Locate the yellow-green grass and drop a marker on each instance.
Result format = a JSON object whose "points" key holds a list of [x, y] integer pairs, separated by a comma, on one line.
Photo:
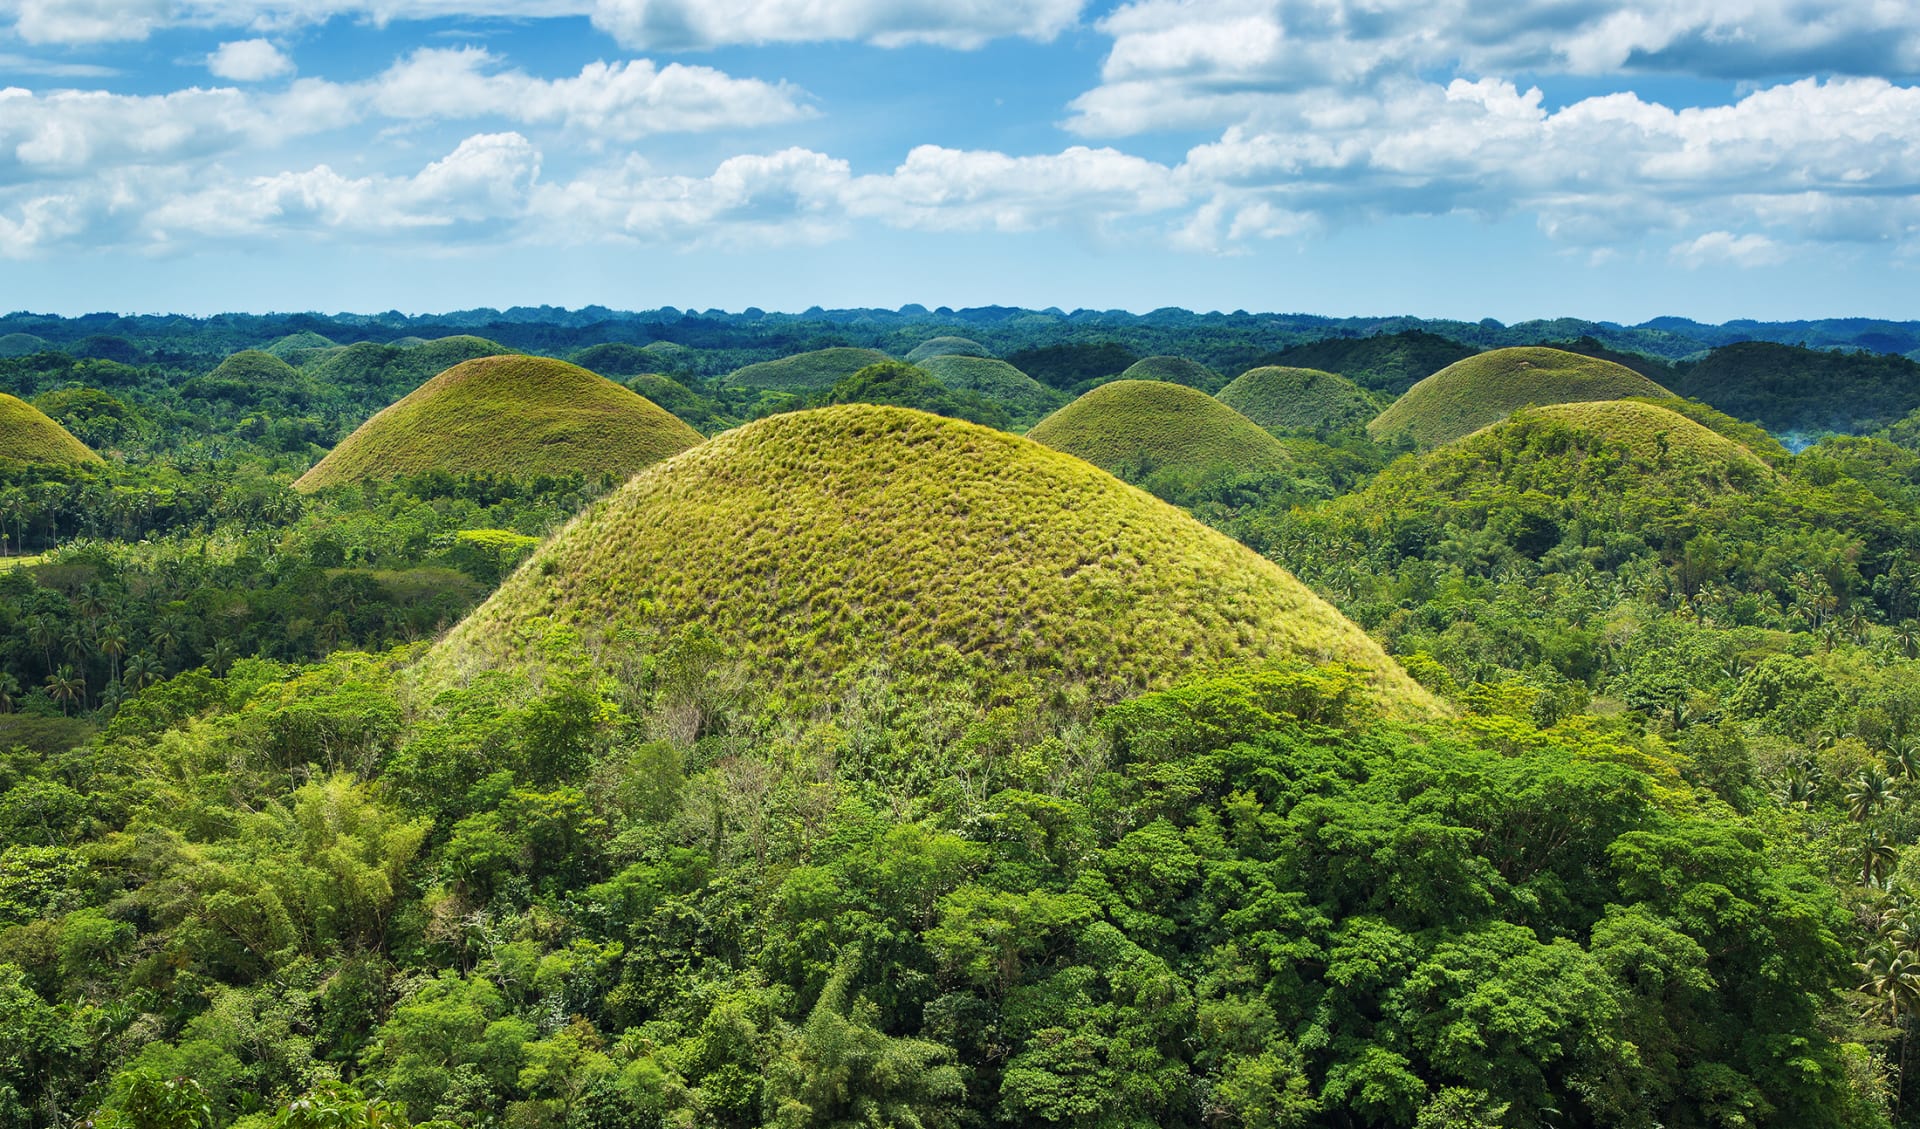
{"points": [[1485, 388], [1135, 427], [29, 437], [1749, 435], [1025, 398], [946, 347], [822, 368], [296, 345], [257, 368], [22, 345], [7, 563], [860, 542], [1654, 436], [1298, 399], [1174, 370], [513, 415]]}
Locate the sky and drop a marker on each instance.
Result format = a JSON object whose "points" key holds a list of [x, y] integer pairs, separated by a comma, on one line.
{"points": [[1511, 159]]}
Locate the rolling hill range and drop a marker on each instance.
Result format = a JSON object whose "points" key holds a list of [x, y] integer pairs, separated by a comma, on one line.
{"points": [[804, 372], [29, 437], [829, 545], [1139, 426], [1298, 399], [1483, 389], [511, 415]]}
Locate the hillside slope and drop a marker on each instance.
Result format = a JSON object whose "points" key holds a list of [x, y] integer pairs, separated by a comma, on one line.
{"points": [[1298, 399], [28, 436], [1483, 389], [1140, 426]]}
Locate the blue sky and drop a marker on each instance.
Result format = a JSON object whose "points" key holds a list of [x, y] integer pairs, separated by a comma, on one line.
{"points": [[1457, 158]]}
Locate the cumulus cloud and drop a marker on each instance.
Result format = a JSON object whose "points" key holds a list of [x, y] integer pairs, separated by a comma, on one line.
{"points": [[1189, 63], [1717, 248], [939, 189], [249, 60], [651, 24]]}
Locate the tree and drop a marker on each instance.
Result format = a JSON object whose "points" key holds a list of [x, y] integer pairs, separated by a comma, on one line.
{"points": [[66, 687]]}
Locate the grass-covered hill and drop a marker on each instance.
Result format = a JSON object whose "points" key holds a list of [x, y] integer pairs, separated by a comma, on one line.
{"points": [[697, 410], [1386, 362], [391, 368], [1026, 399], [249, 377], [22, 345], [901, 385], [296, 346], [826, 547], [1789, 389], [1657, 440], [804, 372], [513, 416], [29, 437], [1136, 427], [1175, 370], [1482, 389], [947, 347], [1298, 399], [617, 359]]}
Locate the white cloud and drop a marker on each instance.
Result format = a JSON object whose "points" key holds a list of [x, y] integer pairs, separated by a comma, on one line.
{"points": [[938, 189], [84, 21], [792, 196], [249, 60], [652, 24], [1718, 248]]}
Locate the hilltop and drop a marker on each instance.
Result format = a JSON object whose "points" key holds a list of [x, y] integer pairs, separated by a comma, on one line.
{"points": [[296, 346], [511, 415], [22, 345], [29, 436], [946, 347], [1482, 389], [1140, 426], [1174, 370], [1298, 399], [1386, 362], [1025, 398], [827, 546], [390, 368], [804, 372]]}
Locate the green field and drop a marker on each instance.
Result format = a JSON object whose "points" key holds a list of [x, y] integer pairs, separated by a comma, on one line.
{"points": [[1135, 427], [1485, 388], [836, 545], [514, 416]]}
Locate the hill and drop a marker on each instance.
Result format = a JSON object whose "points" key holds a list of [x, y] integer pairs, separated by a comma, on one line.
{"points": [[617, 359], [1657, 438], [1386, 362], [901, 385], [22, 345], [1298, 399], [804, 372], [946, 347], [1482, 389], [695, 409], [250, 377], [827, 546], [1174, 370], [28, 436], [1788, 389], [1135, 427], [390, 368], [1026, 399], [295, 346], [514, 415]]}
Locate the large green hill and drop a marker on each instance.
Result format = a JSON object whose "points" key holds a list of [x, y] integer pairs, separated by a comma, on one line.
{"points": [[1025, 398], [29, 436], [22, 345], [1174, 370], [512, 415], [861, 542], [805, 372], [946, 347], [1135, 427], [1298, 399], [1482, 389]]}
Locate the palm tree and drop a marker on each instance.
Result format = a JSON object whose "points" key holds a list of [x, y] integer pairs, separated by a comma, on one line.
{"points": [[113, 644], [142, 672], [66, 687], [1877, 859], [1903, 758], [1867, 793], [43, 632]]}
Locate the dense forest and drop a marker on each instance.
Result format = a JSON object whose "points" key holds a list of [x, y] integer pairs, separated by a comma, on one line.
{"points": [[876, 767]]}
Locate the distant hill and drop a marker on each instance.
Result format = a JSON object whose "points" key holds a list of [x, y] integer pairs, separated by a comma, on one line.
{"points": [[617, 359], [510, 415], [869, 545], [1025, 398], [391, 369], [22, 345], [902, 385], [1298, 399], [804, 372], [29, 437], [294, 346], [947, 347], [1135, 427], [1388, 362], [1175, 370], [697, 410], [1068, 366], [1789, 389], [251, 377], [1483, 389]]}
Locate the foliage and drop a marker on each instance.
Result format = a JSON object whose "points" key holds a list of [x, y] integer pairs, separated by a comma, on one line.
{"points": [[1791, 389], [1381, 362]]}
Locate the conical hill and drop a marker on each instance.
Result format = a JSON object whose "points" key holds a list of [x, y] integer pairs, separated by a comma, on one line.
{"points": [[30, 437], [511, 415], [860, 544], [1482, 389], [1140, 426], [1298, 399]]}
